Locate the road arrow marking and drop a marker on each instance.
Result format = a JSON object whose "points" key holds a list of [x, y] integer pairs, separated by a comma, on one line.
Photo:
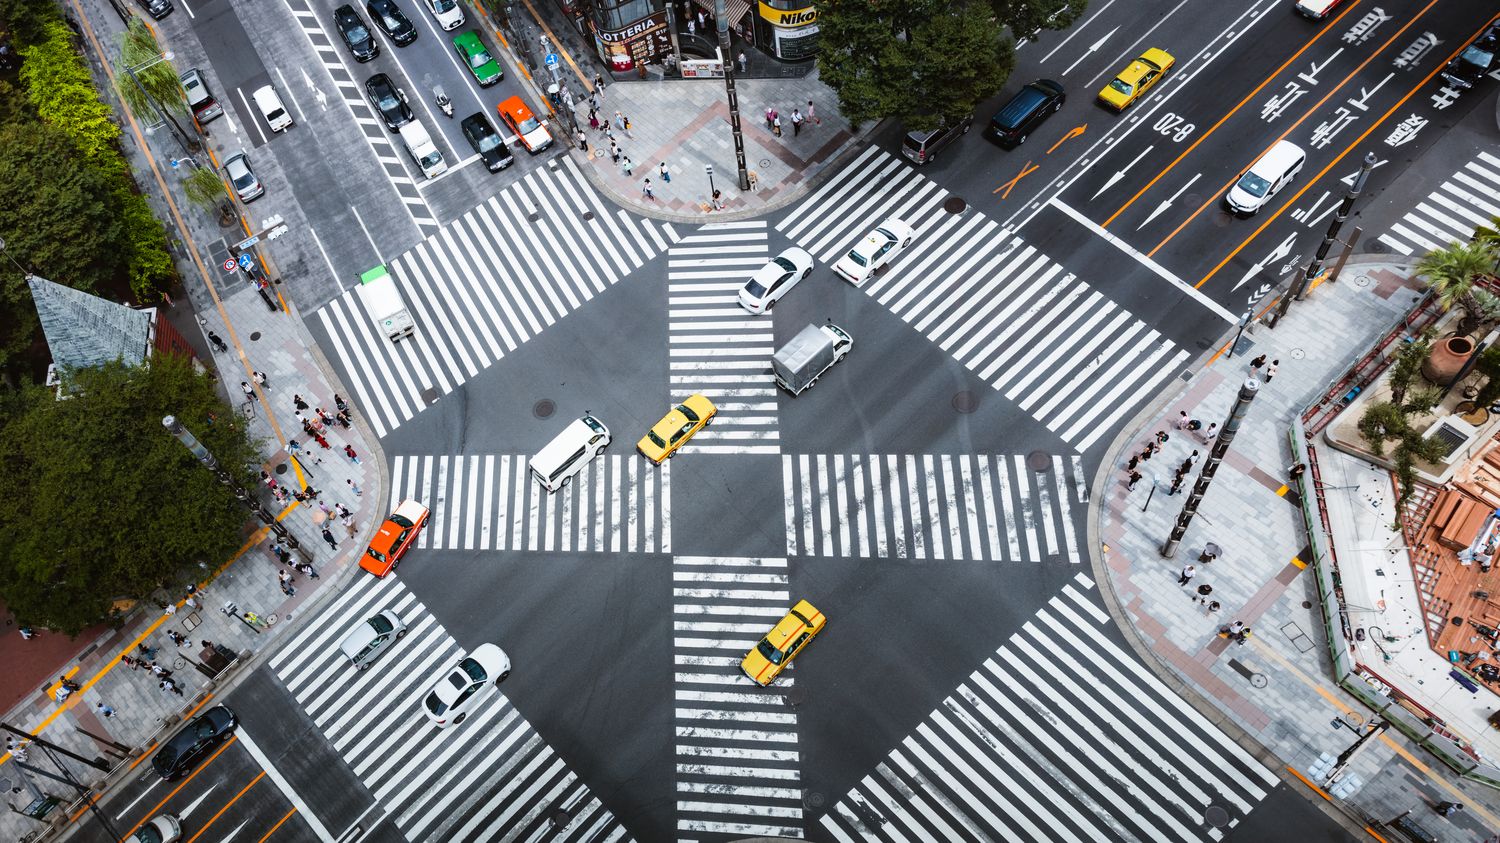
{"points": [[1168, 203], [318, 95], [1120, 174], [1072, 133], [1260, 293], [1093, 48], [1277, 254]]}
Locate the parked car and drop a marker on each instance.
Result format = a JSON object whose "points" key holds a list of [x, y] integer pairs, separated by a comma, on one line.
{"points": [[180, 753], [389, 101], [394, 538], [486, 141], [357, 36], [874, 251], [392, 21], [448, 14], [157, 9], [246, 185], [462, 687], [775, 279], [200, 99]]}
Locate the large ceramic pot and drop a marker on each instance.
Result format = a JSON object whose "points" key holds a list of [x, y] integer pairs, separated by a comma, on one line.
{"points": [[1447, 359]]}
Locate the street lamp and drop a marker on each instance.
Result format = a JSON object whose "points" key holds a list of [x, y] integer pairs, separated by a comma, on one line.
{"points": [[178, 133], [13, 260]]}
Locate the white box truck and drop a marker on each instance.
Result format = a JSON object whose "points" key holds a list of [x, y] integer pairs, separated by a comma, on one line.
{"points": [[800, 363], [422, 150], [377, 289]]}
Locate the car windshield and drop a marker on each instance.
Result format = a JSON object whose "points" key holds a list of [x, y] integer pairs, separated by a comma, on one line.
{"points": [[529, 125], [432, 160], [770, 653], [1254, 185], [1122, 86], [436, 705], [687, 411], [857, 258], [784, 263], [480, 59], [656, 440], [148, 834], [376, 555], [488, 142], [166, 757], [391, 21], [754, 289], [474, 669], [443, 5], [388, 102], [358, 33], [1478, 56], [381, 625]]}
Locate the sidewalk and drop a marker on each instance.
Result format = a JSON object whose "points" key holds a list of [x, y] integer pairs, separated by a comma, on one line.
{"points": [[1275, 694], [278, 345]]}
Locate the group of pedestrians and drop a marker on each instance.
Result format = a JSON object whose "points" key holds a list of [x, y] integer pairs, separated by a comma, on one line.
{"points": [[798, 119]]}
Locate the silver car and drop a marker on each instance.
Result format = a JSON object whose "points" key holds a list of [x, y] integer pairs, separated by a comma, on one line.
{"points": [[369, 641], [246, 185]]}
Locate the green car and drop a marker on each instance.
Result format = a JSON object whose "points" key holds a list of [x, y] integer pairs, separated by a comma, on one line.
{"points": [[483, 65]]}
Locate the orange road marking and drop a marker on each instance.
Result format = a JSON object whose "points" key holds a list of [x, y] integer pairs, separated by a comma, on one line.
{"points": [[1072, 133], [1306, 114], [1026, 170], [201, 767], [1201, 138], [232, 800], [279, 824]]}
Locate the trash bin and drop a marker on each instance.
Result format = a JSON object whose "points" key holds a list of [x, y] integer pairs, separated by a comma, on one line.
{"points": [[214, 661]]}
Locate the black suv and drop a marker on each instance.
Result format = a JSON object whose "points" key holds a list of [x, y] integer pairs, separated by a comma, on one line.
{"points": [[396, 25], [184, 750], [1026, 110], [156, 8], [1476, 60], [486, 141], [356, 35], [389, 101]]}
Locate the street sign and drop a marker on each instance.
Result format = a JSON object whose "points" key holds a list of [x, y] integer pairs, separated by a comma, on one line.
{"points": [[246, 262], [708, 168], [246, 243], [229, 264], [552, 59]]}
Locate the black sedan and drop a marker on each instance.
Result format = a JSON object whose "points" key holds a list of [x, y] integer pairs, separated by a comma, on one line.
{"points": [[389, 17], [357, 37], [156, 8], [389, 100], [486, 141], [193, 743], [1477, 59]]}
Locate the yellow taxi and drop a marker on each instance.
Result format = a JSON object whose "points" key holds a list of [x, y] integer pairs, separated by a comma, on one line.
{"points": [[676, 428], [1136, 79], [782, 644]]}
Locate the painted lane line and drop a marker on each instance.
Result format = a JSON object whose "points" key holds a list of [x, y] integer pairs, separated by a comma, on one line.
{"points": [[1168, 202], [284, 786], [1092, 15]]}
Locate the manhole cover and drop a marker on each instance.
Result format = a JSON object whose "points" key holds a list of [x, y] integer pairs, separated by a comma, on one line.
{"points": [[763, 163], [255, 336], [812, 799], [1259, 680], [965, 402], [1375, 246], [588, 216], [1361, 280], [1039, 461], [1297, 354], [544, 408], [795, 696], [561, 818], [955, 205], [280, 468], [1215, 817]]}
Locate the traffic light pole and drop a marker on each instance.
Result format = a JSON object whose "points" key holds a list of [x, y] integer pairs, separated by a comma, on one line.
{"points": [[1248, 391], [721, 23]]}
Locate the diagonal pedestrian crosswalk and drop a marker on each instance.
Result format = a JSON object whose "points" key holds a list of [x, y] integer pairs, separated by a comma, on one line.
{"points": [[1468, 199], [738, 763], [1064, 353], [616, 504], [489, 778], [717, 347], [1061, 736], [943, 506], [483, 285]]}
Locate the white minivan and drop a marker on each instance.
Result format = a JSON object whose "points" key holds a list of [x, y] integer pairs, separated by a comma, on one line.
{"points": [[1265, 178], [569, 452], [271, 108]]}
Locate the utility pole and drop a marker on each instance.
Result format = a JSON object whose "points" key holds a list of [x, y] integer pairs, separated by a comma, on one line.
{"points": [[721, 23], [52, 750], [1298, 290], [1231, 426], [191, 442]]}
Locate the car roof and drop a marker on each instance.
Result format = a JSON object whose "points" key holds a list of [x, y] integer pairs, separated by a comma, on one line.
{"points": [[467, 39], [1026, 100], [515, 107]]}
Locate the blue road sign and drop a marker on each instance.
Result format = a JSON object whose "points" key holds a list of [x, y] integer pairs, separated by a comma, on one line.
{"points": [[552, 59], [246, 262]]}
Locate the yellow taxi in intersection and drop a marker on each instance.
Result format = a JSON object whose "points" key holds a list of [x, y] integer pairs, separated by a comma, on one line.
{"points": [[782, 644], [1136, 79], [676, 428]]}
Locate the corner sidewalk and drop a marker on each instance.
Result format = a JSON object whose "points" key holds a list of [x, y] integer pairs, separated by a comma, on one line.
{"points": [[1275, 695], [278, 344]]}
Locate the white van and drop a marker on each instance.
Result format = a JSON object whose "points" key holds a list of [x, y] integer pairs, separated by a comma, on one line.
{"points": [[1265, 178], [569, 452], [422, 150], [271, 108]]}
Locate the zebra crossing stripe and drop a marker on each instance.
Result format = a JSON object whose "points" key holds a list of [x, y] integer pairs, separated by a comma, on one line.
{"points": [[1462, 203]]}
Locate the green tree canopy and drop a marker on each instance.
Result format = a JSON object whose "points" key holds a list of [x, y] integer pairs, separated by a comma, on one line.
{"points": [[102, 502], [1454, 271], [920, 61]]}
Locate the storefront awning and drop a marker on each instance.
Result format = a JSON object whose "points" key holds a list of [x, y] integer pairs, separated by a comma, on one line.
{"points": [[735, 9]]}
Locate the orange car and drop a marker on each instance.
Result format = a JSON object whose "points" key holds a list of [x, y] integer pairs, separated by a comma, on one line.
{"points": [[394, 537], [532, 132]]}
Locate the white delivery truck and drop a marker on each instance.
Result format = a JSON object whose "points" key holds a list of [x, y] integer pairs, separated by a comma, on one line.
{"points": [[800, 363], [422, 150], [378, 291]]}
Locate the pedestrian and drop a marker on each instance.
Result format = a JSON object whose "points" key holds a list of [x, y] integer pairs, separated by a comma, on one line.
{"points": [[593, 120], [318, 438], [1205, 557], [328, 537], [338, 401], [1134, 478], [1147, 451], [297, 399], [661, 170], [1135, 460], [280, 495], [646, 189], [614, 152], [718, 201], [148, 652], [812, 114], [178, 639], [326, 511], [217, 341], [310, 491], [1447, 809], [1194, 425], [627, 127], [583, 141], [324, 416], [776, 126], [1182, 419], [260, 378], [206, 644], [770, 115], [27, 633], [1203, 592], [343, 510], [1188, 572], [343, 418], [1192, 460], [1271, 370], [1232, 629], [744, 62], [17, 749], [349, 526], [598, 82], [349, 452], [1176, 485], [796, 122], [1212, 607], [249, 390], [308, 570], [619, 121], [170, 609], [702, 20], [104, 710], [167, 686], [692, 27], [1211, 432], [1256, 364], [627, 165], [288, 590], [293, 446], [318, 425], [753, 179], [254, 620], [130, 663], [284, 576]]}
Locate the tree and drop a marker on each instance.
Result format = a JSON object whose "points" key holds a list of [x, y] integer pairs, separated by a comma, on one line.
{"points": [[1026, 18], [1488, 365], [102, 503], [204, 188], [1407, 366], [1453, 272], [921, 61]]}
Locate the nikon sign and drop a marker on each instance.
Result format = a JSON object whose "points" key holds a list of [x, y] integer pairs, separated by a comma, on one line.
{"points": [[789, 17]]}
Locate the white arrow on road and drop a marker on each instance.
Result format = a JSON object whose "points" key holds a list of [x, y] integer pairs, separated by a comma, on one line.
{"points": [[321, 97], [1277, 254], [1120, 174], [1093, 48], [1168, 203]]}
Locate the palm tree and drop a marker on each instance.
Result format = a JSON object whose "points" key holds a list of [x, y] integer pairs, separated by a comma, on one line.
{"points": [[1453, 272]]}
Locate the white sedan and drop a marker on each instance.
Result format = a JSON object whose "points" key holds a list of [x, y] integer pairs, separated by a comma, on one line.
{"points": [[873, 252], [775, 279], [462, 687], [448, 13]]}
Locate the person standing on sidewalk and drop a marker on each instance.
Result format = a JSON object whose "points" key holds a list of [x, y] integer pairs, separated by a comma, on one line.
{"points": [[328, 537], [583, 141], [812, 114], [1271, 370], [218, 342], [249, 390], [1256, 364], [614, 152], [1448, 809], [776, 125], [627, 165], [796, 122], [349, 452], [1188, 572], [260, 378], [1135, 477], [770, 115], [646, 189], [358, 492], [661, 170], [744, 62], [297, 400], [104, 710]]}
